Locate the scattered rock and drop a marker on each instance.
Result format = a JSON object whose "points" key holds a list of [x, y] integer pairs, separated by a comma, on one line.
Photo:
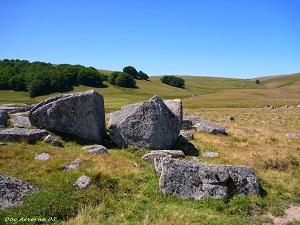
{"points": [[264, 122], [151, 125], [205, 126], [4, 117], [195, 120], [80, 114], [202, 180], [284, 107], [194, 95], [186, 124], [72, 165], [20, 121], [83, 182], [96, 149], [187, 135], [269, 107], [292, 135], [2, 144], [22, 134], [42, 156], [53, 141], [163, 153], [210, 154], [278, 118], [14, 108], [12, 191], [187, 147], [230, 119]]}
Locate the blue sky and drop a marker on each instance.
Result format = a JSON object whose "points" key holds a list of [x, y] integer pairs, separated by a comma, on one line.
{"points": [[224, 38]]}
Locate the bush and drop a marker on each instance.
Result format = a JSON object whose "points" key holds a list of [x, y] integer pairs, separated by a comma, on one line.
{"points": [[112, 77], [173, 81], [143, 75], [257, 82], [125, 80], [131, 71], [90, 77]]}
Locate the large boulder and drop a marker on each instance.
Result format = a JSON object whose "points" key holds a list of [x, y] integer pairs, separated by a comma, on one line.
{"points": [[188, 179], [22, 134], [12, 191], [4, 117], [20, 121], [151, 125], [81, 114]]}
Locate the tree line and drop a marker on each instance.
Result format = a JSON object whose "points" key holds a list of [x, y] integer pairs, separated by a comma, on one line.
{"points": [[38, 78]]}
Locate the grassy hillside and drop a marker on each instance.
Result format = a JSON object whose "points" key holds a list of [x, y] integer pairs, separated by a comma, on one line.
{"points": [[124, 187]]}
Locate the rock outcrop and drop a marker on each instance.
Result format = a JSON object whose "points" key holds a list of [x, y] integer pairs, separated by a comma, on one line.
{"points": [[81, 114], [188, 179], [151, 125], [4, 117], [12, 191], [22, 134]]}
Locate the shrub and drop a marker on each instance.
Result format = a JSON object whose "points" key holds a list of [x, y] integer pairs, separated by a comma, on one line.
{"points": [[90, 77], [112, 77], [143, 75], [131, 71], [125, 80], [173, 81], [257, 82]]}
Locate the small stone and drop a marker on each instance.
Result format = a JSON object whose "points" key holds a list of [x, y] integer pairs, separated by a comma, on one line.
{"points": [[210, 155], [292, 135], [52, 140], [83, 182], [42, 156], [96, 149], [72, 165]]}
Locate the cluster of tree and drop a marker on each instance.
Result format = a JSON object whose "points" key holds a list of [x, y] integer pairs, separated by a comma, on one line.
{"points": [[173, 81], [40, 78], [126, 78]]}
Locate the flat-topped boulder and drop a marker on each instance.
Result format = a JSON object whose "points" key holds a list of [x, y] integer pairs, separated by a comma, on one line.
{"points": [[151, 125], [195, 180], [12, 191], [22, 134], [80, 114], [20, 121]]}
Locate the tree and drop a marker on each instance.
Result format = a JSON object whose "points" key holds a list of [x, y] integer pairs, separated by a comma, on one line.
{"points": [[17, 83], [125, 80], [143, 75], [257, 82], [90, 77], [173, 81], [112, 77], [131, 71]]}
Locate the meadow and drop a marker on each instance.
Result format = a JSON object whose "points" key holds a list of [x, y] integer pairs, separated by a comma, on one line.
{"points": [[124, 187]]}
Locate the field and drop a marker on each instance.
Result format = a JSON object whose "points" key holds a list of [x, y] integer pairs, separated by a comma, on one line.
{"points": [[124, 188]]}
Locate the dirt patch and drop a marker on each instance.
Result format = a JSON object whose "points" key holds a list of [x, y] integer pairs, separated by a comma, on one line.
{"points": [[292, 214]]}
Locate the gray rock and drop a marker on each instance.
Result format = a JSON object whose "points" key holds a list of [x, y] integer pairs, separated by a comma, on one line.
{"points": [[186, 124], [42, 156], [163, 153], [72, 165], [22, 134], [4, 117], [194, 120], [2, 144], [83, 182], [230, 119], [269, 107], [210, 154], [187, 135], [12, 191], [151, 125], [176, 107], [53, 141], [96, 149], [14, 108], [117, 116], [205, 126], [292, 135], [188, 179], [20, 121], [80, 114]]}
